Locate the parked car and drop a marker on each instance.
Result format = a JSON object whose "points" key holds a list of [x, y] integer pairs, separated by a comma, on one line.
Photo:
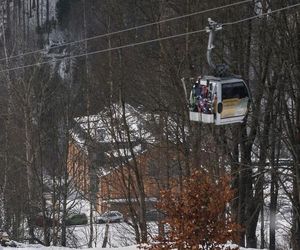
{"points": [[154, 215], [5, 241], [77, 219], [110, 217]]}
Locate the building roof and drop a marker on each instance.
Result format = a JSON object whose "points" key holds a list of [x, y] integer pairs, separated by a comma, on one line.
{"points": [[106, 134], [109, 126]]}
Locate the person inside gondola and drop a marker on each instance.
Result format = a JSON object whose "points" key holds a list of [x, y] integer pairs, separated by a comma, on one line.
{"points": [[195, 97], [204, 92], [203, 102]]}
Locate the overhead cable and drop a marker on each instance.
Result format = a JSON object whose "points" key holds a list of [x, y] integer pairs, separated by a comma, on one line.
{"points": [[147, 41], [127, 30]]}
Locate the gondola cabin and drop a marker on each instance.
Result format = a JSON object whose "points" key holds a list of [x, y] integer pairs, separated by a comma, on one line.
{"points": [[219, 101]]}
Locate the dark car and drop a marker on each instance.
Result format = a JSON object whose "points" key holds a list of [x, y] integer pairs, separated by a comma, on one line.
{"points": [[5, 241], [154, 215], [110, 217], [77, 219]]}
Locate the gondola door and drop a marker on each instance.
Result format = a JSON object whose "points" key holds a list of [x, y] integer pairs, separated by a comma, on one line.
{"points": [[232, 101]]}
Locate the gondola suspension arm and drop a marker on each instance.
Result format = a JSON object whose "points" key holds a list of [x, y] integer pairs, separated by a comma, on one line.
{"points": [[211, 29]]}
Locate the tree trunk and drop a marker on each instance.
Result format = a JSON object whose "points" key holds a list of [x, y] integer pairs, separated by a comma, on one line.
{"points": [[262, 225], [296, 218], [273, 210], [105, 238], [7, 125], [29, 171], [274, 158], [65, 196]]}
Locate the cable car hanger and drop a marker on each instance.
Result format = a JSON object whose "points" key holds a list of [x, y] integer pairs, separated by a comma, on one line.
{"points": [[221, 98], [211, 29]]}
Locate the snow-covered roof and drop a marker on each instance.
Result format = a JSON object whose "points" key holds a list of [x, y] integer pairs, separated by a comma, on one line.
{"points": [[149, 199], [110, 126], [124, 152]]}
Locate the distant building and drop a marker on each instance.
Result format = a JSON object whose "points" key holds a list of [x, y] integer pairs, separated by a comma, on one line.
{"points": [[102, 149], [78, 165]]}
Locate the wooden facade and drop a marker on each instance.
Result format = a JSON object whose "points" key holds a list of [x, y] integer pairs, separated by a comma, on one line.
{"points": [[117, 188], [77, 165]]}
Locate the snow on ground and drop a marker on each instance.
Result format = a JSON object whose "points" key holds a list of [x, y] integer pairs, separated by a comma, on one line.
{"points": [[65, 248], [120, 237]]}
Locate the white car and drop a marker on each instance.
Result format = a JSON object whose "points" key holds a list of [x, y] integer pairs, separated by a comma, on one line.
{"points": [[110, 217]]}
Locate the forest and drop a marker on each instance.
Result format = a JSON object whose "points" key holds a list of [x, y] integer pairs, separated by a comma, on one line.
{"points": [[106, 76]]}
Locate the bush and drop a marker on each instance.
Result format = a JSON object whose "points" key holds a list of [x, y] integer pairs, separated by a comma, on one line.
{"points": [[197, 216]]}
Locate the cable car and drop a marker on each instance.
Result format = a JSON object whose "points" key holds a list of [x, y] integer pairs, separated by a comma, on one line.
{"points": [[220, 99]]}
